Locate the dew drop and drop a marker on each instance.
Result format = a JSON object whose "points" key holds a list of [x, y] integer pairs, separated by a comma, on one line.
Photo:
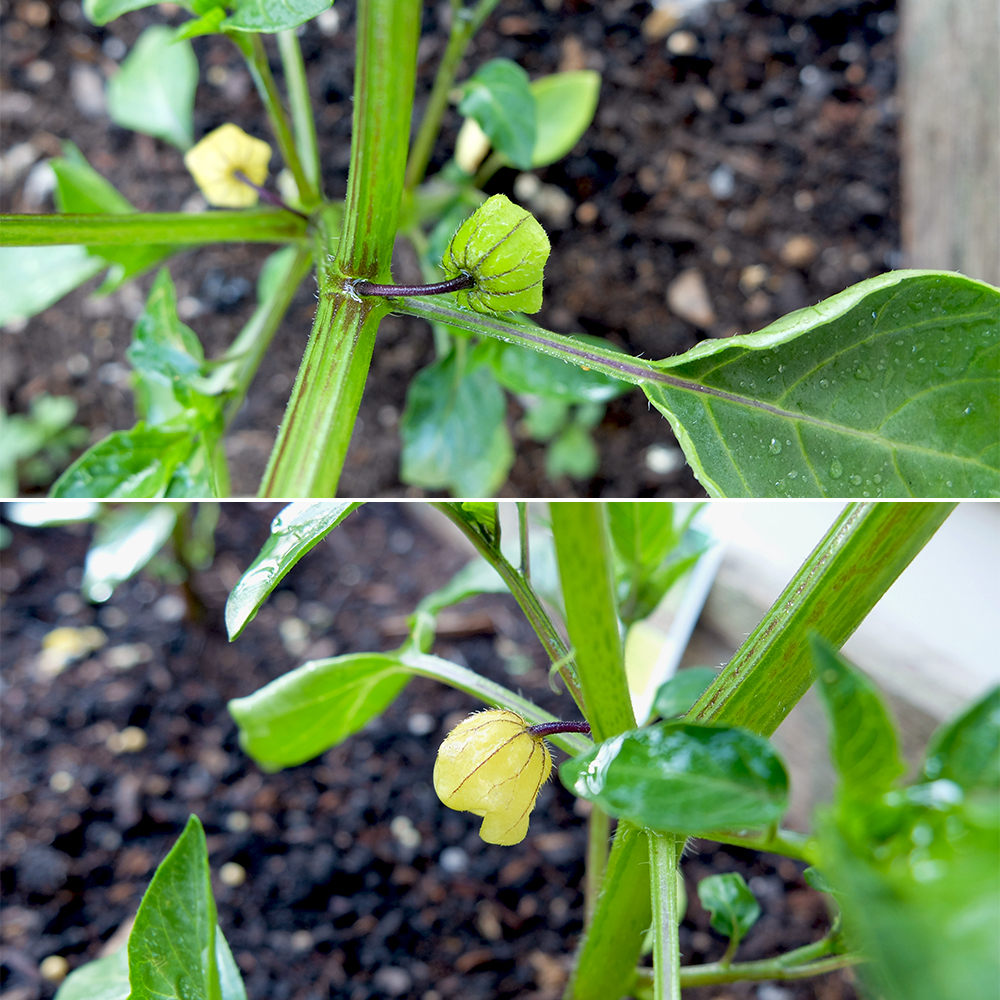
{"points": [[877, 478], [774, 447], [949, 484], [863, 372], [836, 469], [856, 480], [781, 368], [824, 384], [968, 409], [792, 474]]}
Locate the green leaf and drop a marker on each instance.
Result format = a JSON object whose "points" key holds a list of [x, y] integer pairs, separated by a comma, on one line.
{"points": [[504, 249], [230, 980], [154, 91], [483, 514], [643, 533], [564, 106], [35, 277], [134, 464], [475, 577], [126, 539], [100, 12], [82, 190], [104, 979], [172, 949], [817, 880], [521, 370], [676, 696], [273, 15], [208, 24], [573, 453], [544, 418], [683, 778], [453, 430], [198, 476], [499, 98], [316, 706], [733, 907], [967, 749], [863, 741], [885, 390], [298, 528], [166, 356]]}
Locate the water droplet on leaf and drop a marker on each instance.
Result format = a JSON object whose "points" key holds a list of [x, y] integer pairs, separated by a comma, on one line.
{"points": [[836, 469], [774, 447]]}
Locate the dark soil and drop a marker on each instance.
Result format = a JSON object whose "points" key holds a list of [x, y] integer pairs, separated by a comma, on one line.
{"points": [[337, 902], [780, 123]]}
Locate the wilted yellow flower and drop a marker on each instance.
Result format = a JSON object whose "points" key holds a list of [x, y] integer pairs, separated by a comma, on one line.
{"points": [[214, 161], [492, 766]]}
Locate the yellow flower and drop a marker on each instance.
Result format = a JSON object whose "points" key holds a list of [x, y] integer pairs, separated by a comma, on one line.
{"points": [[492, 766], [215, 159]]}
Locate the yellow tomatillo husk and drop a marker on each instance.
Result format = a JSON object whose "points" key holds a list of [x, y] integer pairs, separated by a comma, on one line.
{"points": [[214, 161], [490, 765]]}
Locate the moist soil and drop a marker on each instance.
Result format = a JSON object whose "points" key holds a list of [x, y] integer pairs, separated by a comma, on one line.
{"points": [[762, 156], [359, 883]]}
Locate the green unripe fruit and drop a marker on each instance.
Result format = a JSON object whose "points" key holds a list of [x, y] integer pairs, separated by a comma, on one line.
{"points": [[504, 249]]}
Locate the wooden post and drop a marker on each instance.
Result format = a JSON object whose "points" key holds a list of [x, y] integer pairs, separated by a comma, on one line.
{"points": [[950, 85]]}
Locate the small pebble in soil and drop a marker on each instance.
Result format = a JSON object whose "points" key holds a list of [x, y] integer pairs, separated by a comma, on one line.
{"points": [[768, 991], [232, 874], [237, 822], [420, 724], [61, 781], [170, 608], [661, 459], [130, 740], [405, 832], [688, 297], [454, 860], [54, 968]]}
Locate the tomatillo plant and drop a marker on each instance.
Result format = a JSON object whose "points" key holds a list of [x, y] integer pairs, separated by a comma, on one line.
{"points": [[888, 388], [912, 866]]}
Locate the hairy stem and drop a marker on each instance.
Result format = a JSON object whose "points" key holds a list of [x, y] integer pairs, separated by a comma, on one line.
{"points": [[664, 852], [464, 24], [302, 117], [260, 71]]}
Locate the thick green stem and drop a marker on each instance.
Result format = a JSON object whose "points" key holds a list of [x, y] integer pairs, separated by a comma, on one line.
{"points": [[522, 592], [464, 24], [255, 225], [316, 429], [772, 968], [583, 551], [303, 123], [260, 71], [664, 852], [610, 946], [598, 833], [857, 561]]}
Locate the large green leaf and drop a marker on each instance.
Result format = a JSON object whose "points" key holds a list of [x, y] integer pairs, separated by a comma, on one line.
{"points": [[154, 90], [565, 104], [888, 389], [134, 464], [917, 870], [499, 98], [82, 190], [35, 277], [172, 948], [676, 696], [320, 703], [306, 711], [453, 430], [125, 541], [273, 15], [683, 778], [863, 742], [294, 532]]}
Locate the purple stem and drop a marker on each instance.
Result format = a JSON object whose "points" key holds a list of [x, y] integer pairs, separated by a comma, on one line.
{"points": [[551, 728], [438, 288], [269, 196]]}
